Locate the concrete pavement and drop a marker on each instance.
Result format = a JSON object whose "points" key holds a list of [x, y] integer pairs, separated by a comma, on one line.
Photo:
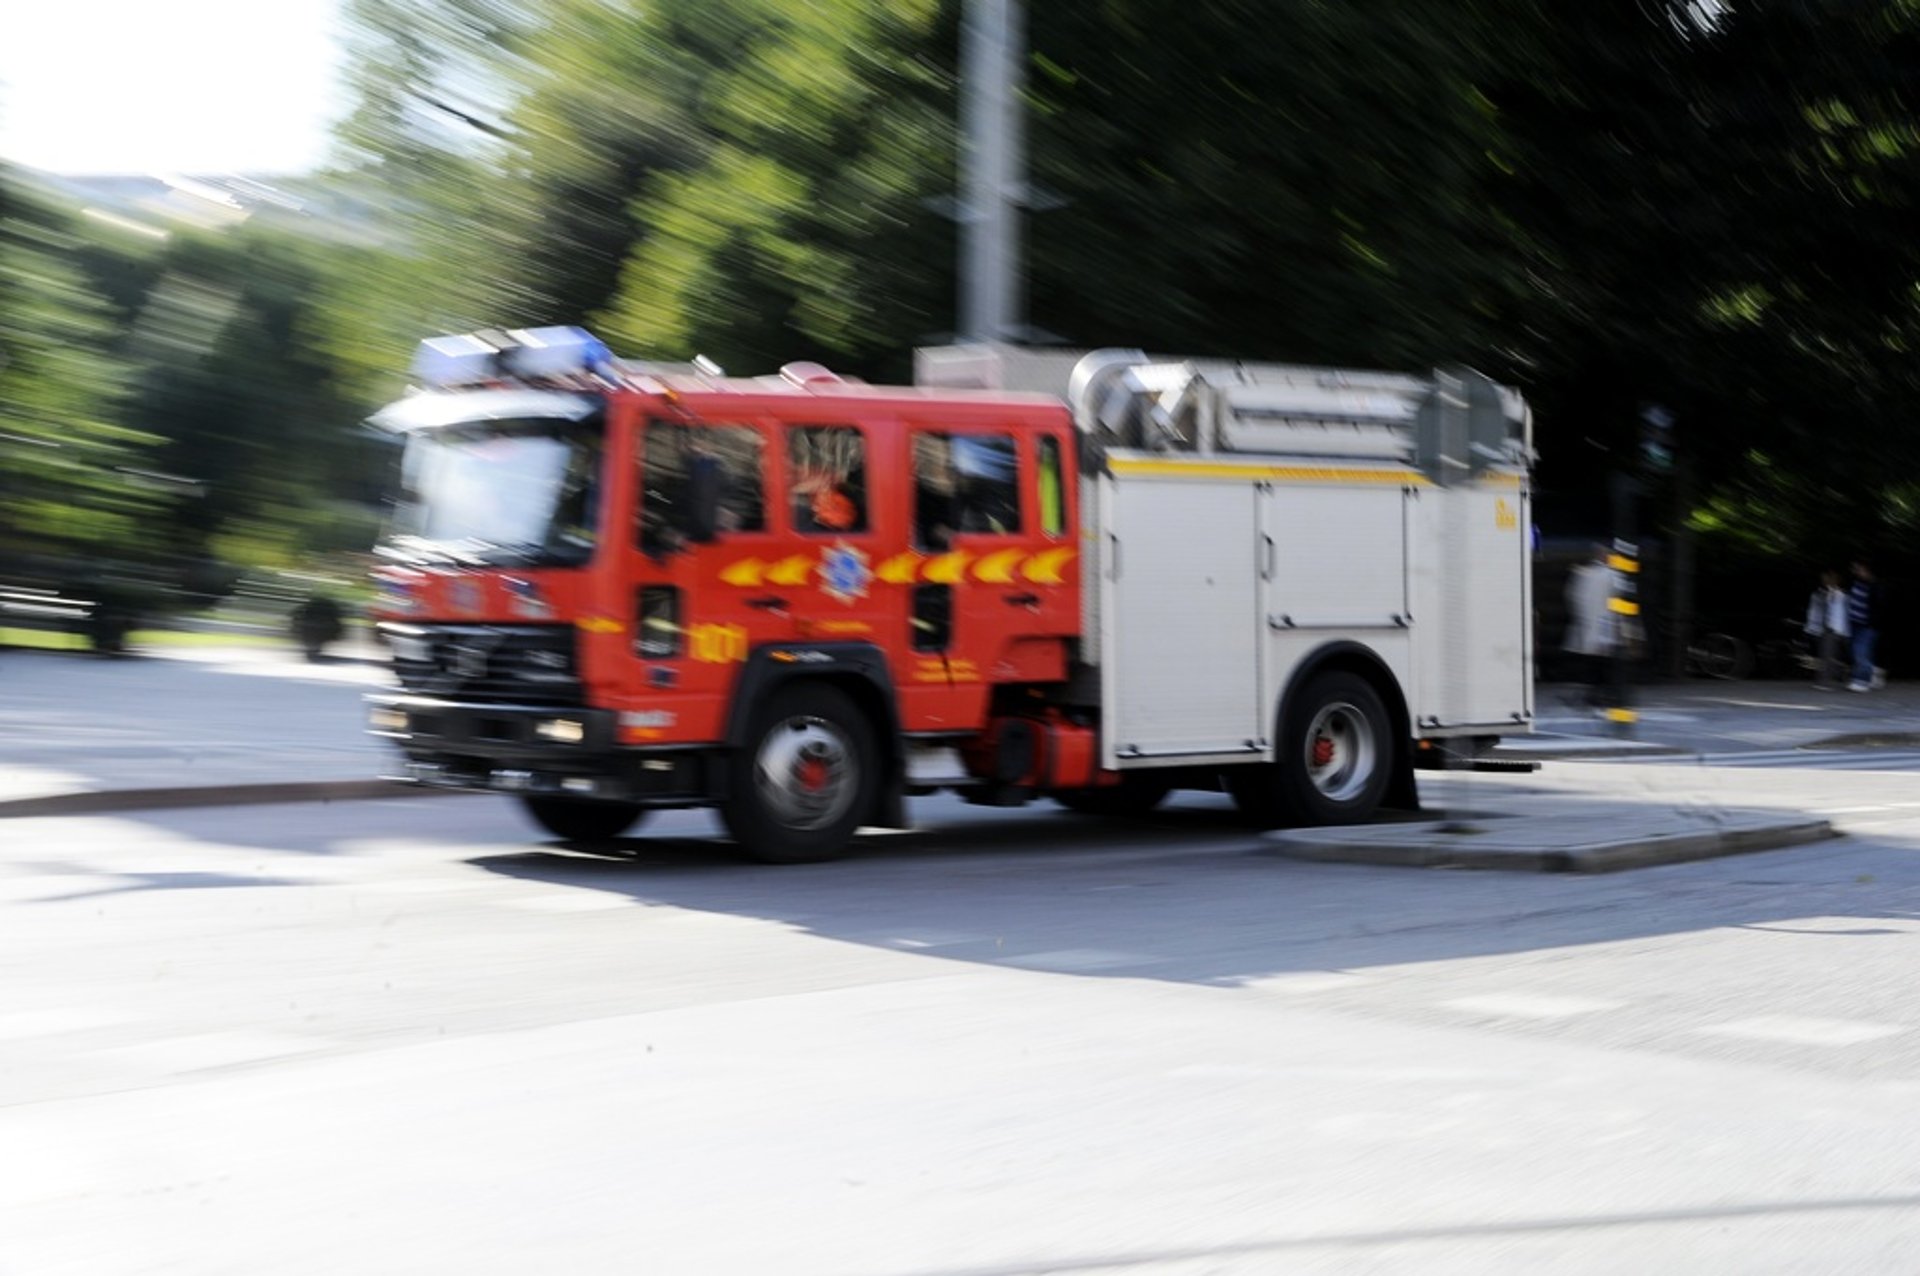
{"points": [[416, 1038], [1705, 718], [179, 725], [220, 725]]}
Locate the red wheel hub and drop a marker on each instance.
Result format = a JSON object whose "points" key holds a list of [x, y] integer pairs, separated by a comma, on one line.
{"points": [[1322, 751], [813, 774]]}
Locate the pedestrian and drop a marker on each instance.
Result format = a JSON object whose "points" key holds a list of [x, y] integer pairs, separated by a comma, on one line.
{"points": [[1590, 626], [1828, 626], [1863, 620]]}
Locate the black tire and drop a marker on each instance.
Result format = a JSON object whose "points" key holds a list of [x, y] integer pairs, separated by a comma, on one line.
{"points": [[1136, 794], [807, 778], [1724, 657], [583, 819], [1334, 761]]}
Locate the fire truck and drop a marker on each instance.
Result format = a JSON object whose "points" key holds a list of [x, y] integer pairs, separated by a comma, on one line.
{"points": [[611, 587]]}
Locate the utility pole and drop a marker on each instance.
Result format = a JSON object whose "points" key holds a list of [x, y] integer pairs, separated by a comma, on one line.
{"points": [[991, 42]]}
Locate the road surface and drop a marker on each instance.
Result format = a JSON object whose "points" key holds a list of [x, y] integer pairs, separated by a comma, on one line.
{"points": [[414, 1036]]}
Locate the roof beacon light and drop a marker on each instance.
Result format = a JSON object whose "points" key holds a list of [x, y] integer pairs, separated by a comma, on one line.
{"points": [[523, 354]]}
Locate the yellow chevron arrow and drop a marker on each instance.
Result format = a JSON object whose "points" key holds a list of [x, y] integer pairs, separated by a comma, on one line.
{"points": [[791, 571], [747, 573], [948, 568], [1044, 568], [997, 568], [900, 569]]}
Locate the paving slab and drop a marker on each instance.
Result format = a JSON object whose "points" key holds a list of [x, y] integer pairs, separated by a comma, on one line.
{"points": [[1602, 840]]}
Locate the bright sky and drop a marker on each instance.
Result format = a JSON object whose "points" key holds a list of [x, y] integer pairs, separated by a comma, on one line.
{"points": [[168, 86]]}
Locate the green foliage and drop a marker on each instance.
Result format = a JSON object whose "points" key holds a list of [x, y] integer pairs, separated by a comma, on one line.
{"points": [[1708, 207], [71, 470]]}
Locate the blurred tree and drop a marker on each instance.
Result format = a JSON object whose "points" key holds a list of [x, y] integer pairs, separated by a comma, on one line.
{"points": [[1718, 201], [235, 381], [809, 227], [1276, 179], [74, 480], [1702, 205]]}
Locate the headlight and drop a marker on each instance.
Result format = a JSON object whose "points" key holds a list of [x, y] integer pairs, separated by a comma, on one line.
{"points": [[561, 730], [385, 719]]}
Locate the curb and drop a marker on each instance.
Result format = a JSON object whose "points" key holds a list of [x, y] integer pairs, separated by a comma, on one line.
{"points": [[1574, 752], [112, 801], [1866, 740], [1432, 848]]}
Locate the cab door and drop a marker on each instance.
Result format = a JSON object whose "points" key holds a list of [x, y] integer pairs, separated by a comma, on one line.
{"points": [[706, 545], [972, 533]]}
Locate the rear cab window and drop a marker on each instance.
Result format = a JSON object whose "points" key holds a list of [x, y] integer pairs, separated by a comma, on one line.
{"points": [[827, 480]]}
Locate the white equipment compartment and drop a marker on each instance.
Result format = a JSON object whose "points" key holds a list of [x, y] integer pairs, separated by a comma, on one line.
{"points": [[1246, 519], [1181, 621]]}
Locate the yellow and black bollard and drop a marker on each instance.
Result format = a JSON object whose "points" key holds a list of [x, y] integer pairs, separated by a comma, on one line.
{"points": [[1624, 606]]}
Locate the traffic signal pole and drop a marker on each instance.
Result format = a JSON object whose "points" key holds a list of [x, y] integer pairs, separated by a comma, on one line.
{"points": [[992, 45]]}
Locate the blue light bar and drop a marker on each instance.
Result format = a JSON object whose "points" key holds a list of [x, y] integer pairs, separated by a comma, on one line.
{"points": [[523, 354]]}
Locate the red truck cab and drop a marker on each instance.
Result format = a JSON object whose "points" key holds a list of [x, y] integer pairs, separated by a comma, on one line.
{"points": [[608, 590]]}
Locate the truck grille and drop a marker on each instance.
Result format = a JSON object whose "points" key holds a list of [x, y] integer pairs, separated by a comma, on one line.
{"points": [[504, 664]]}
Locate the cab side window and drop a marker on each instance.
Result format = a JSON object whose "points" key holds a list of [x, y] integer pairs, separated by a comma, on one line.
{"points": [[964, 483], [700, 482], [827, 479], [1053, 501]]}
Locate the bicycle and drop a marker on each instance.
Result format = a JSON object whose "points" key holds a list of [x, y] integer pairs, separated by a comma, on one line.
{"points": [[1719, 656], [1790, 655]]}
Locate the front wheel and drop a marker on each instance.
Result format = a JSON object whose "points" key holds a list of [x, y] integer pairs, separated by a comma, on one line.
{"points": [[806, 780], [583, 819], [1336, 757]]}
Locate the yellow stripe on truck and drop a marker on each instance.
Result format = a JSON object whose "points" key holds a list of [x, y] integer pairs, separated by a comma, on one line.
{"points": [[1230, 470]]}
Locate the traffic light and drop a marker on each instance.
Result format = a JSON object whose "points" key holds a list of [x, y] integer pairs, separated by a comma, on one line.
{"points": [[1656, 439]]}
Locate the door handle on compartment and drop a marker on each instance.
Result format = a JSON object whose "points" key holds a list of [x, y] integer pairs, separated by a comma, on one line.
{"points": [[768, 603]]}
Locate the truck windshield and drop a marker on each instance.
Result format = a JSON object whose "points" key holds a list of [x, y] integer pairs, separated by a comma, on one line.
{"points": [[522, 492]]}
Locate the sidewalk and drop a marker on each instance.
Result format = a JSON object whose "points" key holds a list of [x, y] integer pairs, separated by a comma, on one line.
{"points": [[1724, 717], [219, 725], [184, 724]]}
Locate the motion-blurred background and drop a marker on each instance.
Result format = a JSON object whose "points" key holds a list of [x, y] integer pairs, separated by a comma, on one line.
{"points": [[223, 226]]}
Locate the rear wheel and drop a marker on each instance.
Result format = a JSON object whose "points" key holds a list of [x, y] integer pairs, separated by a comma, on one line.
{"points": [[1136, 794], [806, 780], [583, 819], [1335, 760]]}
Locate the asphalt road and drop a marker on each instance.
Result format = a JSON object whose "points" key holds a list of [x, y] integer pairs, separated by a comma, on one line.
{"points": [[412, 1036]]}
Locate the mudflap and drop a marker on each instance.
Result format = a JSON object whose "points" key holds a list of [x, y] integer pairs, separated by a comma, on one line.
{"points": [[1402, 793], [890, 812]]}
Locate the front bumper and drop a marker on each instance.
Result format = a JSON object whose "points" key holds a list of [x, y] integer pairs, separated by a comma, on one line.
{"points": [[542, 750]]}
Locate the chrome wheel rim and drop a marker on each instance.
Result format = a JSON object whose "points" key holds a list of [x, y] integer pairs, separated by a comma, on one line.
{"points": [[806, 773], [1341, 752]]}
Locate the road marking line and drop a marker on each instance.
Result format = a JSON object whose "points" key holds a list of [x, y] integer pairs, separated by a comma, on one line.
{"points": [[1804, 1030], [933, 939], [582, 902], [1530, 1005], [1072, 959], [1305, 983], [422, 886], [23, 1024], [209, 1050]]}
